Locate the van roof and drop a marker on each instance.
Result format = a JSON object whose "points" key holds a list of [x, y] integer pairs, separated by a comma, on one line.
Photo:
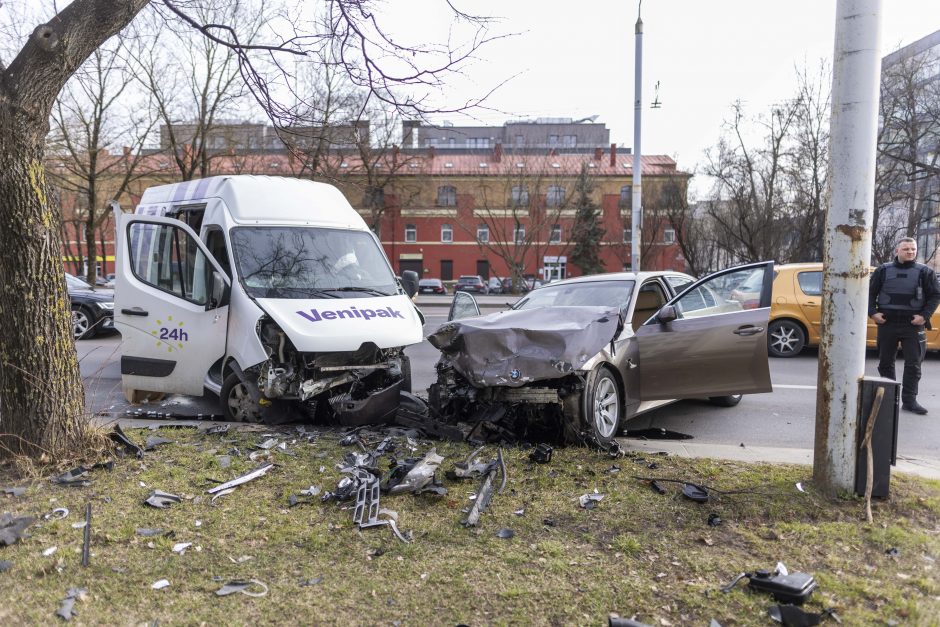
{"points": [[268, 199]]}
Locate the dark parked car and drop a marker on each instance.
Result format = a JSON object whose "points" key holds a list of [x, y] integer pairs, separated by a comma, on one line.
{"points": [[431, 286], [92, 310], [472, 283]]}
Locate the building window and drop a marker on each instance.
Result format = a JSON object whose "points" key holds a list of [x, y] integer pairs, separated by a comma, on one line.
{"points": [[411, 233], [483, 233], [555, 237], [520, 196], [520, 140], [374, 197], [446, 196], [626, 196], [451, 142], [627, 236], [555, 197], [478, 142], [569, 141], [447, 233], [518, 234], [553, 140], [669, 236]]}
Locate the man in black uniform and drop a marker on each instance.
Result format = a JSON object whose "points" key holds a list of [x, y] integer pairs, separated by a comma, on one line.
{"points": [[902, 296]]}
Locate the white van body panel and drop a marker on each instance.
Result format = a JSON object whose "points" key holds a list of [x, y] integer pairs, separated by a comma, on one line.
{"points": [[334, 325]]}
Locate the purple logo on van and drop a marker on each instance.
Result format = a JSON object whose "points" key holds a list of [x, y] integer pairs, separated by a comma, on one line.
{"points": [[315, 315]]}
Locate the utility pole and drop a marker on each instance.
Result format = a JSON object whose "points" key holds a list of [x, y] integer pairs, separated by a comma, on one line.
{"points": [[847, 245], [636, 215]]}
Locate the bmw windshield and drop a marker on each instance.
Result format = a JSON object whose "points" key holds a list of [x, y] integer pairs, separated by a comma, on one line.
{"points": [[581, 294], [309, 262]]}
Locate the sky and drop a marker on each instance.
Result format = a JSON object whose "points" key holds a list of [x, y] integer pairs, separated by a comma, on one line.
{"points": [[576, 59]]}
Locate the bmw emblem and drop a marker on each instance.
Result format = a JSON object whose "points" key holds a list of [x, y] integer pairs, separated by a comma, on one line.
{"points": [[514, 374]]}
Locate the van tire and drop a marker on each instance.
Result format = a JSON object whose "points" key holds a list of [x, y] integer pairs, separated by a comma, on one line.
{"points": [[237, 405]]}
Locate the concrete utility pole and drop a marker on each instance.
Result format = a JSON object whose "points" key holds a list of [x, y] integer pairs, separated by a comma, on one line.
{"points": [[856, 74], [636, 216]]}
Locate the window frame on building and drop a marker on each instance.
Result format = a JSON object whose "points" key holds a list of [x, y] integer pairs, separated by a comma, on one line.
{"points": [[627, 235], [552, 196], [411, 233], [518, 234], [447, 233], [446, 196], [483, 233], [519, 196], [669, 235], [554, 236]]}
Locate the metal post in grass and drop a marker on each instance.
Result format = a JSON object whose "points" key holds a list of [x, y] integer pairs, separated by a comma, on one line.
{"points": [[847, 244]]}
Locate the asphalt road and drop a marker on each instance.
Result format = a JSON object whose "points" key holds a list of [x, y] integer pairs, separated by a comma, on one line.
{"points": [[783, 418]]}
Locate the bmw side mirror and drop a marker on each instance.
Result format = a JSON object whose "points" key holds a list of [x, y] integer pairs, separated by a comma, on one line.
{"points": [[409, 281], [666, 314]]}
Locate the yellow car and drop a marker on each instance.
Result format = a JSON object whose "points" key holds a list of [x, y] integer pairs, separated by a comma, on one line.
{"points": [[796, 310]]}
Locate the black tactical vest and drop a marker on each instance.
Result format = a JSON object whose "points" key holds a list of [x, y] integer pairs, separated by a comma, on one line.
{"points": [[901, 290]]}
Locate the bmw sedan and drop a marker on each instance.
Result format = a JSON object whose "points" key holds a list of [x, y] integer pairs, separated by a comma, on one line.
{"points": [[578, 358]]}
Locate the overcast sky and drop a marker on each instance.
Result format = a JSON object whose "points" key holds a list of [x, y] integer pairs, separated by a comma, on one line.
{"points": [[576, 59]]}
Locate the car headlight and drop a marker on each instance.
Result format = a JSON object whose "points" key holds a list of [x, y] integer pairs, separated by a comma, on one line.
{"points": [[106, 305]]}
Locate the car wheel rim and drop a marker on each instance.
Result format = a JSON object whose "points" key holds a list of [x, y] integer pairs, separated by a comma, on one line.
{"points": [[241, 406], [784, 339], [606, 408], [79, 323]]}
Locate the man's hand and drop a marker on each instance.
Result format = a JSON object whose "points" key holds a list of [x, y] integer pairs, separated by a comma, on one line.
{"points": [[917, 320], [879, 318]]}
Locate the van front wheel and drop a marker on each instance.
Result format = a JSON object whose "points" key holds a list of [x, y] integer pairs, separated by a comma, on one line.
{"points": [[237, 404]]}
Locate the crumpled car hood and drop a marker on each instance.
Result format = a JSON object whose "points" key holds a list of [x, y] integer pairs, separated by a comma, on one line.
{"points": [[512, 348]]}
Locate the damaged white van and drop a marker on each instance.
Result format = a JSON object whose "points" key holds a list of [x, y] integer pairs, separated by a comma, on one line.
{"points": [[270, 292]]}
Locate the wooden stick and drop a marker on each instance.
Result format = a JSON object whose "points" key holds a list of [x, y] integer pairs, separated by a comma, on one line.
{"points": [[866, 443]]}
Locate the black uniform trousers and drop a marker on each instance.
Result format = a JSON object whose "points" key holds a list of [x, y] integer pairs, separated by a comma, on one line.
{"points": [[913, 343]]}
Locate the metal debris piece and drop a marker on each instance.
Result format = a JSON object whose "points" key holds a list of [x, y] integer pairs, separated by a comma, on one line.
{"points": [[520, 512], [311, 491], [485, 492], [180, 547], [420, 475], [154, 441], [148, 532], [505, 534], [242, 587], [590, 501], [50, 551], [121, 438], [310, 582], [161, 500], [268, 444], [77, 477], [245, 478], [217, 429], [86, 536], [57, 514], [160, 584], [12, 528], [714, 520], [219, 495], [799, 486], [66, 610], [13, 491]]}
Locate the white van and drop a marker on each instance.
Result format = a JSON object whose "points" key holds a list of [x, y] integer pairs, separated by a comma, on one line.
{"points": [[270, 292]]}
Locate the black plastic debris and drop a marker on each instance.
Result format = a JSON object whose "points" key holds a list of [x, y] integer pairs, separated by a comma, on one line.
{"points": [[121, 438], [793, 616], [12, 528], [66, 610], [77, 477], [243, 587], [654, 433], [614, 469], [590, 501], [542, 454], [653, 466], [505, 534], [786, 587], [86, 536], [695, 492], [155, 441], [892, 552], [714, 520], [549, 522], [657, 487], [5, 565], [161, 500], [13, 491]]}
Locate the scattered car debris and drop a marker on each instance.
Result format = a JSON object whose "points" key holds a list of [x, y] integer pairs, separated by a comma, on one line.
{"points": [[242, 587], [12, 528], [86, 536], [657, 487], [150, 532], [695, 492], [50, 551], [245, 478], [892, 552], [5, 565], [180, 547], [57, 514], [311, 582], [714, 520], [657, 433], [160, 584], [366, 512], [520, 512], [542, 454], [77, 477], [614, 620], [155, 441], [66, 610], [160, 500], [121, 438], [414, 476], [786, 587], [590, 501], [217, 429], [485, 492], [793, 616], [269, 444], [13, 491], [505, 534], [799, 486], [614, 469], [220, 494]]}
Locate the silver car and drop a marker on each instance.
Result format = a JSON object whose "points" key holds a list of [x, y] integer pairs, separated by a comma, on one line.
{"points": [[592, 352]]}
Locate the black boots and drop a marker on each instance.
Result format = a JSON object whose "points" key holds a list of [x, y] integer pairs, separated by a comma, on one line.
{"points": [[914, 407]]}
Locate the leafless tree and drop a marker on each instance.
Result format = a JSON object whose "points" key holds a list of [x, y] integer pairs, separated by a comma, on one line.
{"points": [[41, 393]]}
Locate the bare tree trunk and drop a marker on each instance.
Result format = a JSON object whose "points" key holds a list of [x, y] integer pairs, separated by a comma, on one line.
{"points": [[42, 395]]}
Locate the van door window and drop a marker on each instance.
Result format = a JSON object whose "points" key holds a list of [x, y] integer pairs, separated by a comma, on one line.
{"points": [[168, 258], [215, 242]]}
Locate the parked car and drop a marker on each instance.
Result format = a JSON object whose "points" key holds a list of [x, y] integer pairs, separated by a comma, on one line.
{"points": [[621, 344], [507, 286], [472, 283], [796, 312], [92, 310], [495, 285], [431, 286]]}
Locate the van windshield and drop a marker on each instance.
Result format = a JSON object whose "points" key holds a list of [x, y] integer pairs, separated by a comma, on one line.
{"points": [[309, 262]]}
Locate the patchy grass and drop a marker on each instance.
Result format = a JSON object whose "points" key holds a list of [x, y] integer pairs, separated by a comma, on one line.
{"points": [[637, 553]]}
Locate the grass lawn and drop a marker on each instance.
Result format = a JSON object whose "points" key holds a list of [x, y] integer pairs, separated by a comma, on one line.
{"points": [[637, 553]]}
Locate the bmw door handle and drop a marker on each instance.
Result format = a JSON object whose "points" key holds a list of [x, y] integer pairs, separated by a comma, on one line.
{"points": [[136, 311], [748, 330]]}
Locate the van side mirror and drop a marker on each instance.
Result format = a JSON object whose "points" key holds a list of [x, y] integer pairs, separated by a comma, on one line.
{"points": [[667, 314], [409, 280], [219, 293]]}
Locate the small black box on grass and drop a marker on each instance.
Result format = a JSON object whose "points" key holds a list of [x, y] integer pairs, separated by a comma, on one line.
{"points": [[884, 437]]}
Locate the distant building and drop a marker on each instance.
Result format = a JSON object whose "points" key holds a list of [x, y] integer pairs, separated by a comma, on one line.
{"points": [[562, 135]]}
